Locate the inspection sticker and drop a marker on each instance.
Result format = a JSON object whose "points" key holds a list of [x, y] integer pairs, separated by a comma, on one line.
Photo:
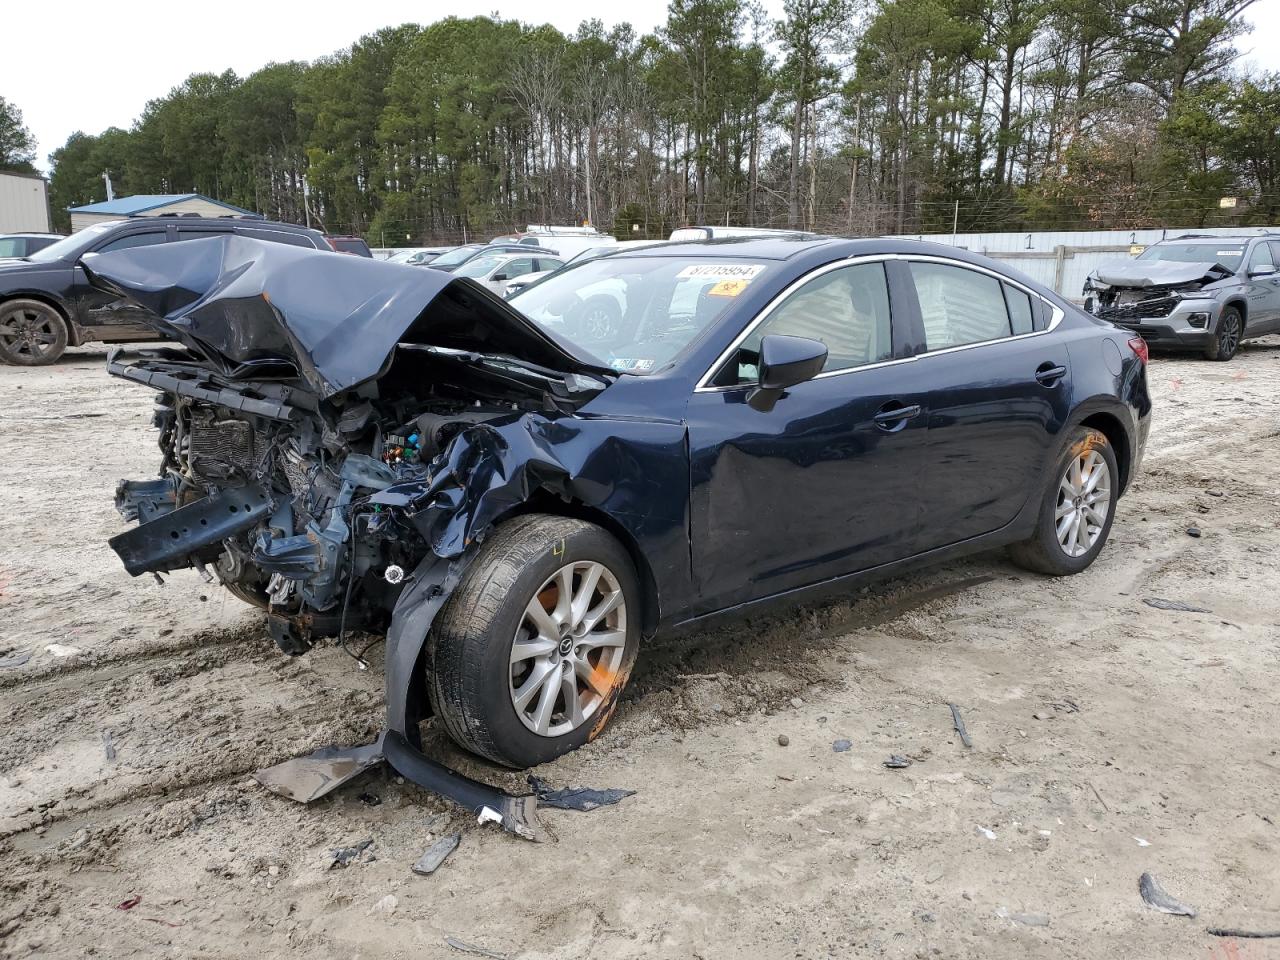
{"points": [[723, 271], [728, 288]]}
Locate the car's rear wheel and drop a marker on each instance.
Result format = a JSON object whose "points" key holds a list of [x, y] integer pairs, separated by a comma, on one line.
{"points": [[1077, 508], [32, 333], [529, 656], [1226, 339]]}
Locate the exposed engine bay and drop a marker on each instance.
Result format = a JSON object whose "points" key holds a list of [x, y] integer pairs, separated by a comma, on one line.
{"points": [[1147, 290], [277, 502]]}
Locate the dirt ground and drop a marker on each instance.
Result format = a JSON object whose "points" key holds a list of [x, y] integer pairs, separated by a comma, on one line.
{"points": [[1109, 738]]}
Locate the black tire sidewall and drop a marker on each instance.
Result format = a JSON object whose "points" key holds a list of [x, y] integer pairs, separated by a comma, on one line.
{"points": [[60, 325], [1079, 440], [1215, 351], [487, 649]]}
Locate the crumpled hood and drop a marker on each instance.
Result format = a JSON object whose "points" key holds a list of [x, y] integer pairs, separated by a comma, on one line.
{"points": [[1158, 273], [336, 319]]}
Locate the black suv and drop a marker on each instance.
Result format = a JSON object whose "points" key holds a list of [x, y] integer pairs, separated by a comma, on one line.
{"points": [[47, 304]]}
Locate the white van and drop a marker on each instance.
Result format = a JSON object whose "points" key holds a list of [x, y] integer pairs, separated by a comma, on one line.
{"points": [[715, 233]]}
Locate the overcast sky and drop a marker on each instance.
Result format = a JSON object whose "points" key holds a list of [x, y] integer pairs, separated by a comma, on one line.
{"points": [[121, 54]]}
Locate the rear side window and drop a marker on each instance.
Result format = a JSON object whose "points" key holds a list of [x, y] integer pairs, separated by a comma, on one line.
{"points": [[133, 240], [279, 236], [1019, 303], [185, 234], [847, 309], [959, 306]]}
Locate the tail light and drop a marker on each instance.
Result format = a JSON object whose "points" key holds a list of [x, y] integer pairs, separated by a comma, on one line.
{"points": [[1139, 346]]}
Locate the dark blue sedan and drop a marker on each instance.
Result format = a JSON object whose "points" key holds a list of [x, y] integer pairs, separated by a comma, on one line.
{"points": [[517, 493]]}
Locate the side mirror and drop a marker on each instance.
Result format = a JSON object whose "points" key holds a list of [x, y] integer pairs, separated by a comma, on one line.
{"points": [[1263, 270], [784, 362], [499, 276]]}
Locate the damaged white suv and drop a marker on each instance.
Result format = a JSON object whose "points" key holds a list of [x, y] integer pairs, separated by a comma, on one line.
{"points": [[1196, 292]]}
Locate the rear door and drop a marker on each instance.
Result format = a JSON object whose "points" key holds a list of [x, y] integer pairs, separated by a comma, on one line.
{"points": [[826, 482], [998, 391]]}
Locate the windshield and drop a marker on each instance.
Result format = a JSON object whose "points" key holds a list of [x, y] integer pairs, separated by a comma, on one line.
{"points": [[479, 267], [637, 313], [1227, 254], [455, 257], [69, 248]]}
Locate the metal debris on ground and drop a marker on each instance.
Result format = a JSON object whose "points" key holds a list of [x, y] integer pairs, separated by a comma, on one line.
{"points": [[840, 746], [1161, 604], [897, 762], [575, 798], [369, 799], [958, 722], [1243, 934], [473, 949], [1156, 897], [357, 853], [436, 854], [15, 659], [308, 778], [108, 747]]}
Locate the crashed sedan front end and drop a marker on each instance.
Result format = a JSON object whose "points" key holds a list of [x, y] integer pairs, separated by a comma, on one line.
{"points": [[335, 435]]}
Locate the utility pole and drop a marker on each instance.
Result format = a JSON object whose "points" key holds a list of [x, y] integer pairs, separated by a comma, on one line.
{"points": [[106, 178], [955, 222]]}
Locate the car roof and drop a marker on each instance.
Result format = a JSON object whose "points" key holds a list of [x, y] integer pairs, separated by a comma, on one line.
{"points": [[1212, 238], [773, 247], [56, 236]]}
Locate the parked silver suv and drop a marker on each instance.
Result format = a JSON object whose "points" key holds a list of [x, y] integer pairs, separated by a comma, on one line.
{"points": [[1197, 292]]}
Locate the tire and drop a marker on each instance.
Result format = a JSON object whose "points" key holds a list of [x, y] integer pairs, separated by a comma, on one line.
{"points": [[1226, 338], [1044, 551], [474, 684], [32, 334]]}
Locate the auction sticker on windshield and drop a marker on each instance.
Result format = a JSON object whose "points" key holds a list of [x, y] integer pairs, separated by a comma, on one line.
{"points": [[722, 271]]}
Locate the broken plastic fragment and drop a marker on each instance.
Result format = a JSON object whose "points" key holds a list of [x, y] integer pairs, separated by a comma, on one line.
{"points": [[989, 834], [308, 778], [1156, 897], [575, 798], [488, 815], [436, 854]]}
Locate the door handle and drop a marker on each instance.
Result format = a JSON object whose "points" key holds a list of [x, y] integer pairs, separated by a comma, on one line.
{"points": [[1049, 373], [893, 416]]}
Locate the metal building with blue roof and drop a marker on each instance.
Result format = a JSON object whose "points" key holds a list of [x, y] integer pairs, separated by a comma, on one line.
{"points": [[154, 205]]}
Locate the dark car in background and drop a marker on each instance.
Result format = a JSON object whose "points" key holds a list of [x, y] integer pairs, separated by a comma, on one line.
{"points": [[15, 245], [48, 304], [1195, 292], [516, 508], [352, 245]]}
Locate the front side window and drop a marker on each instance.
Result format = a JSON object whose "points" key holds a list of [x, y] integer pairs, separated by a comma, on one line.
{"points": [[1260, 257], [959, 306], [514, 268], [847, 309], [133, 240], [478, 268]]}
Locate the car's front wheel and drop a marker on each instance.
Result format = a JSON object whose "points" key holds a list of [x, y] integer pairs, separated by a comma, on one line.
{"points": [[32, 333], [1226, 339], [529, 656], [1077, 508]]}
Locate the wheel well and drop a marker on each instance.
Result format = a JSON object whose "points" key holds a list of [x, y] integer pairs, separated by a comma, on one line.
{"points": [[1111, 428], [1243, 307], [543, 501], [72, 339]]}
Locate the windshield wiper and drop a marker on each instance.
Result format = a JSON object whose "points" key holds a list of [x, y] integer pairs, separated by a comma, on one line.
{"points": [[523, 370]]}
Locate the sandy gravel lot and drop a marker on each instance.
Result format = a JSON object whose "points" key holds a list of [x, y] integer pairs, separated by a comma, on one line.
{"points": [[1109, 738]]}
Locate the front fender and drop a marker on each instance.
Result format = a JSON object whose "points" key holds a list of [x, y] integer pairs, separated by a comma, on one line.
{"points": [[429, 589]]}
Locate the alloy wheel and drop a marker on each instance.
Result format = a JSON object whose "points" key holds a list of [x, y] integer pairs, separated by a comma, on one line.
{"points": [[27, 332], [1229, 335], [568, 648], [597, 324], [1084, 503]]}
